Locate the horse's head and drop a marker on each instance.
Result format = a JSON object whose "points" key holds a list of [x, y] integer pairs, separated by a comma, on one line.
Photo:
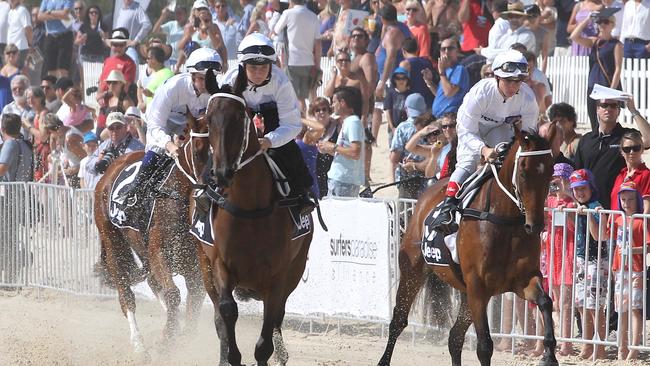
{"points": [[194, 154], [231, 131], [532, 166]]}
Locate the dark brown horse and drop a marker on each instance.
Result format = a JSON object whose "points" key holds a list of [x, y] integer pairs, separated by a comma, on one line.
{"points": [[168, 248], [253, 251], [498, 254]]}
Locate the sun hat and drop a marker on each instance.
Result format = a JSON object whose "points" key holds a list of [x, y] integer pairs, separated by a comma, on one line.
{"points": [[115, 117], [563, 170], [200, 4], [116, 75], [514, 8], [90, 137], [415, 105], [581, 177], [119, 35], [630, 186], [133, 111]]}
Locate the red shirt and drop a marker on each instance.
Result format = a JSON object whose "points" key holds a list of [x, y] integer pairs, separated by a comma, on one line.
{"points": [[421, 35], [475, 31], [637, 242], [122, 63], [641, 177]]}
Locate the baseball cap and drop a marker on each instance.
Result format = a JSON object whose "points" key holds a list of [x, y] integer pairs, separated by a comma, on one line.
{"points": [[133, 111], [563, 170], [630, 186], [415, 105], [581, 177], [604, 13], [200, 4], [115, 117], [90, 137]]}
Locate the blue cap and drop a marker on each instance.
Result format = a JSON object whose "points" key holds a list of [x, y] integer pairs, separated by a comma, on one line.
{"points": [[89, 137], [401, 70], [415, 105]]}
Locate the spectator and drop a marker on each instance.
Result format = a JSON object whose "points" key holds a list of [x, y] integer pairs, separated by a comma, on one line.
{"points": [[635, 32], [539, 83], [173, 29], [394, 109], [634, 170], [341, 37], [86, 179], [442, 20], [564, 10], [486, 71], [448, 152], [343, 76], [7, 73], [38, 43], [226, 24], [417, 67], [68, 141], [518, 32], [628, 293], [616, 4], [473, 16], [19, 85], [346, 174], [134, 19], [542, 35], [245, 22], [415, 21], [59, 38], [581, 12], [307, 140], [62, 86], [556, 143], [78, 111], [203, 32], [373, 26], [389, 53], [321, 110], [279, 40], [147, 87], [36, 102], [501, 24], [405, 163], [605, 57], [454, 80], [42, 148], [48, 84], [432, 149], [115, 99], [91, 36], [135, 124], [557, 240], [327, 20], [548, 20], [4, 13], [596, 149], [119, 142], [565, 116], [19, 31], [303, 37], [591, 263], [258, 20], [118, 60]]}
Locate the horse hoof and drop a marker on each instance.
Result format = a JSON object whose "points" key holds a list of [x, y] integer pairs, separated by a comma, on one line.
{"points": [[547, 362]]}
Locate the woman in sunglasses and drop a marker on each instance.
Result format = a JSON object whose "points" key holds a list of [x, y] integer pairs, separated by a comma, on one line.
{"points": [[606, 57], [342, 75], [428, 142], [634, 170], [486, 118]]}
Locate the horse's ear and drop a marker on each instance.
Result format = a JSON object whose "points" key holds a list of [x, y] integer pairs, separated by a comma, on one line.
{"points": [[552, 132], [241, 82], [211, 84], [191, 121]]}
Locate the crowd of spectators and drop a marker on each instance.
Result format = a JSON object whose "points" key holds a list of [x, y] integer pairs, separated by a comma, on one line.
{"points": [[408, 63]]}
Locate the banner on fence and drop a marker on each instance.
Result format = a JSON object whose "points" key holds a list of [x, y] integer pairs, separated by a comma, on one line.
{"points": [[347, 268]]}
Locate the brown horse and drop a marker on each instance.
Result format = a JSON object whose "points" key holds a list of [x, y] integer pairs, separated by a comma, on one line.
{"points": [[253, 251], [498, 253], [167, 247]]}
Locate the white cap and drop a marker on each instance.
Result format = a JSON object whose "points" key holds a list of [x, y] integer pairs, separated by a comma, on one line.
{"points": [[202, 59], [256, 48], [198, 4], [115, 117], [505, 64], [116, 75], [133, 111]]}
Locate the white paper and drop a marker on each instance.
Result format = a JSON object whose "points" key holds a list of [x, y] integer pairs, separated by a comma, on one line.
{"points": [[602, 92]]}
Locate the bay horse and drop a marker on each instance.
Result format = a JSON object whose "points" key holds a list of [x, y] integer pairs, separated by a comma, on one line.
{"points": [[499, 251], [166, 249], [253, 252]]}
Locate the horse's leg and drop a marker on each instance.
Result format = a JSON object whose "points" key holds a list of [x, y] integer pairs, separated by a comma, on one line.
{"points": [[280, 350], [227, 308], [157, 290], [411, 279], [457, 332], [478, 300], [536, 294], [273, 314], [163, 275], [195, 295], [208, 282]]}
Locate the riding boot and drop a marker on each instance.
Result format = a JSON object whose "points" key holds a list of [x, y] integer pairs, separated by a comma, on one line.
{"points": [[445, 221]]}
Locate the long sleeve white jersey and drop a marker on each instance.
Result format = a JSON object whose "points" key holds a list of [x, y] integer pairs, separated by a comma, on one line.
{"points": [[280, 91], [166, 115]]}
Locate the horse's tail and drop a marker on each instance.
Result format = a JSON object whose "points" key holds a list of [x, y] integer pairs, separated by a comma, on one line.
{"points": [[244, 294], [101, 269], [126, 263]]}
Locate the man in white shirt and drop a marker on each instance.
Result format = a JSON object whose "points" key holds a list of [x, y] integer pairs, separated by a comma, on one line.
{"points": [[501, 24], [303, 34], [635, 31], [19, 30], [134, 18], [517, 33]]}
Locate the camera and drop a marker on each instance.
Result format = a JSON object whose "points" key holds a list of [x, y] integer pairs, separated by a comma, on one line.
{"points": [[553, 187], [109, 155]]}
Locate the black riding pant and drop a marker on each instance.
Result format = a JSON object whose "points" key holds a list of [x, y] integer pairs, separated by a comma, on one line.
{"points": [[290, 160]]}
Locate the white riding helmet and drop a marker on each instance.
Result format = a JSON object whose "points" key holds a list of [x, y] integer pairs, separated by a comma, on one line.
{"points": [[511, 63], [203, 59], [256, 49]]}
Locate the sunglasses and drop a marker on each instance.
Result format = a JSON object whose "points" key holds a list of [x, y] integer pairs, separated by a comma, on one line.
{"points": [[608, 105], [95, 12], [434, 133], [78, 9], [115, 127], [319, 110], [343, 60], [446, 49], [400, 78], [629, 149], [415, 10], [358, 35], [452, 125], [514, 66]]}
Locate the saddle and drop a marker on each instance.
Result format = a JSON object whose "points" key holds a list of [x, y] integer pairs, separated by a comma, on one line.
{"points": [[137, 215]]}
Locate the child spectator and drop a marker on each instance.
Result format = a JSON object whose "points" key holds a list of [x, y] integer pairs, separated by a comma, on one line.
{"points": [[78, 111], [629, 298], [591, 263], [394, 102], [87, 179], [558, 242]]}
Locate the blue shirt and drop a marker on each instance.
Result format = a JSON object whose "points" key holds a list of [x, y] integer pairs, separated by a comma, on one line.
{"points": [[54, 27], [401, 136], [458, 76], [244, 22], [581, 236], [343, 169]]}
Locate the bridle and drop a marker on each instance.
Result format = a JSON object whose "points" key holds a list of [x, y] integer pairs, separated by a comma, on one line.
{"points": [[516, 198], [189, 156], [239, 164]]}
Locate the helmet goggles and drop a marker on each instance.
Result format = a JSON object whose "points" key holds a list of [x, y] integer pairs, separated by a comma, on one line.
{"points": [[511, 67], [203, 66]]}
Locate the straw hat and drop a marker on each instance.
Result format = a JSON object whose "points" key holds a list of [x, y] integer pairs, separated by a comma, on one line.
{"points": [[516, 8], [116, 75]]}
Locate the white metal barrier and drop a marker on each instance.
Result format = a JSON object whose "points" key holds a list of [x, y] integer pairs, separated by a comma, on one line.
{"points": [[49, 240]]}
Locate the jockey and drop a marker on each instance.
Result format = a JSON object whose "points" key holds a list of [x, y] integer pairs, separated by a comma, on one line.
{"points": [[485, 119], [271, 95], [166, 113]]}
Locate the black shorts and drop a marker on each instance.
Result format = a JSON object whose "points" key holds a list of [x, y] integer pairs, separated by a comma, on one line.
{"points": [[58, 51]]}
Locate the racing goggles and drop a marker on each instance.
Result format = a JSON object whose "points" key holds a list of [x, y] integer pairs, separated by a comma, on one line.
{"points": [[203, 66], [514, 66]]}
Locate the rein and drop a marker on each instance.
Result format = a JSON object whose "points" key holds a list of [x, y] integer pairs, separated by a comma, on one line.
{"points": [[190, 160]]}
